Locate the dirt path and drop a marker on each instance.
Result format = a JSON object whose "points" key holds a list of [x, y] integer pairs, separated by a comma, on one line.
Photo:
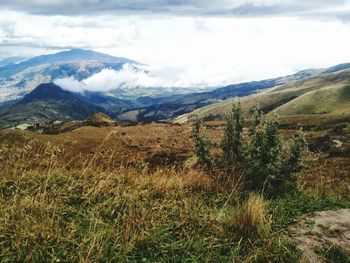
{"points": [[318, 229]]}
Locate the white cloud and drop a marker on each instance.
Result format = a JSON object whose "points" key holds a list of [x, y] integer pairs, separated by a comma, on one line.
{"points": [[130, 77], [183, 51], [108, 79], [178, 7], [70, 84]]}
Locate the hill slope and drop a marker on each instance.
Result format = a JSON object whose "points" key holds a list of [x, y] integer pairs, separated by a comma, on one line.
{"points": [[170, 107], [326, 94], [45, 103], [292, 86], [330, 100]]}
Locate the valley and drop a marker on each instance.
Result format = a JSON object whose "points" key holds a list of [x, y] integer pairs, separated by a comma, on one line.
{"points": [[316, 91], [97, 176], [171, 131]]}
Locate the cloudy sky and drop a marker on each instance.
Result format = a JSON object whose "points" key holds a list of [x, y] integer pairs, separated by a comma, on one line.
{"points": [[200, 42]]}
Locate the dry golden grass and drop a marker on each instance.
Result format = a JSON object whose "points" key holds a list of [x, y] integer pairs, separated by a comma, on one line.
{"points": [[113, 195], [252, 216], [95, 211], [109, 147]]}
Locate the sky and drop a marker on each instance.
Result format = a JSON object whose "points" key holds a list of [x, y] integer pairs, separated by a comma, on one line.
{"points": [[194, 43]]}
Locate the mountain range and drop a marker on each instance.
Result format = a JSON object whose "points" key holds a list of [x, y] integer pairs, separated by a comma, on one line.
{"points": [[27, 93], [19, 76], [18, 79], [171, 107]]}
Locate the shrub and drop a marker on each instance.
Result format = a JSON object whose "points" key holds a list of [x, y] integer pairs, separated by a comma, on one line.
{"points": [[272, 166], [232, 142], [264, 154], [201, 150], [269, 165]]}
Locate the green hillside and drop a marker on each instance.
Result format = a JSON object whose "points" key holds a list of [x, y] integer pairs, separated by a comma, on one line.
{"points": [[327, 94], [330, 100]]}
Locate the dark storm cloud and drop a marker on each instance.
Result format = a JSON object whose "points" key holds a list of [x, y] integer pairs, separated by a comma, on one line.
{"points": [[180, 7]]}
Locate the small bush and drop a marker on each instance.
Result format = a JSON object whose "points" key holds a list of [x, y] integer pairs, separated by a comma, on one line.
{"points": [[232, 141], [272, 165], [201, 147], [268, 164], [264, 157]]}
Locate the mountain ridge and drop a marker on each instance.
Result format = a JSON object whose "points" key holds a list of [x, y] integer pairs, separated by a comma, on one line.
{"points": [[171, 107], [47, 103], [62, 56], [315, 97], [18, 79]]}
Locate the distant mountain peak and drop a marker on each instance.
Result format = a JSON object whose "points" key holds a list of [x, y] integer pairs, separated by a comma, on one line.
{"points": [[22, 76], [47, 92], [47, 102], [77, 53], [83, 52]]}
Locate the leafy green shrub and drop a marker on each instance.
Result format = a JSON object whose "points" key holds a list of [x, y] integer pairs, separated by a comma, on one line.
{"points": [[201, 150], [232, 141], [264, 156], [272, 165], [268, 164]]}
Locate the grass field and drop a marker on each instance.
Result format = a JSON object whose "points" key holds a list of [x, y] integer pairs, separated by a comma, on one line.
{"points": [[319, 97], [133, 194]]}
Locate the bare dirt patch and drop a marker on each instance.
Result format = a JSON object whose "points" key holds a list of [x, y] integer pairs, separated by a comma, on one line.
{"points": [[319, 229]]}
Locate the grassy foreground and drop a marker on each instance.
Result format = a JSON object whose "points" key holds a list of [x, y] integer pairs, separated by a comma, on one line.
{"points": [[51, 212]]}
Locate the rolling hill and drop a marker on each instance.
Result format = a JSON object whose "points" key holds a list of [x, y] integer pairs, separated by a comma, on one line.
{"points": [[46, 103], [174, 106], [296, 94], [321, 96], [169, 107]]}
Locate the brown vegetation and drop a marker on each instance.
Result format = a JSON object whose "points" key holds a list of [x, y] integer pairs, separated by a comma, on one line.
{"points": [[117, 194]]}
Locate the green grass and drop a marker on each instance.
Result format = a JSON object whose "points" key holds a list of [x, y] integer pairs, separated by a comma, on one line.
{"points": [[333, 254], [333, 99], [125, 216], [89, 212], [321, 95], [288, 209]]}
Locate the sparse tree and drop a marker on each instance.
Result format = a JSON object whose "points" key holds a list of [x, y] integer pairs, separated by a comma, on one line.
{"points": [[264, 156], [232, 141], [255, 120], [272, 166], [205, 160], [294, 162], [268, 164]]}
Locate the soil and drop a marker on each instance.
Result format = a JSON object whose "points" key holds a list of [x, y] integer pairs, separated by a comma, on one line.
{"points": [[319, 229]]}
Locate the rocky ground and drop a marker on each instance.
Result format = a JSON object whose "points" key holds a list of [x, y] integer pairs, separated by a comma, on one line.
{"points": [[322, 229]]}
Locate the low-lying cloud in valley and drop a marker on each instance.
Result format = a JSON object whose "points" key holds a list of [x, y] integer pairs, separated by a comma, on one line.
{"points": [[130, 77], [108, 79]]}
